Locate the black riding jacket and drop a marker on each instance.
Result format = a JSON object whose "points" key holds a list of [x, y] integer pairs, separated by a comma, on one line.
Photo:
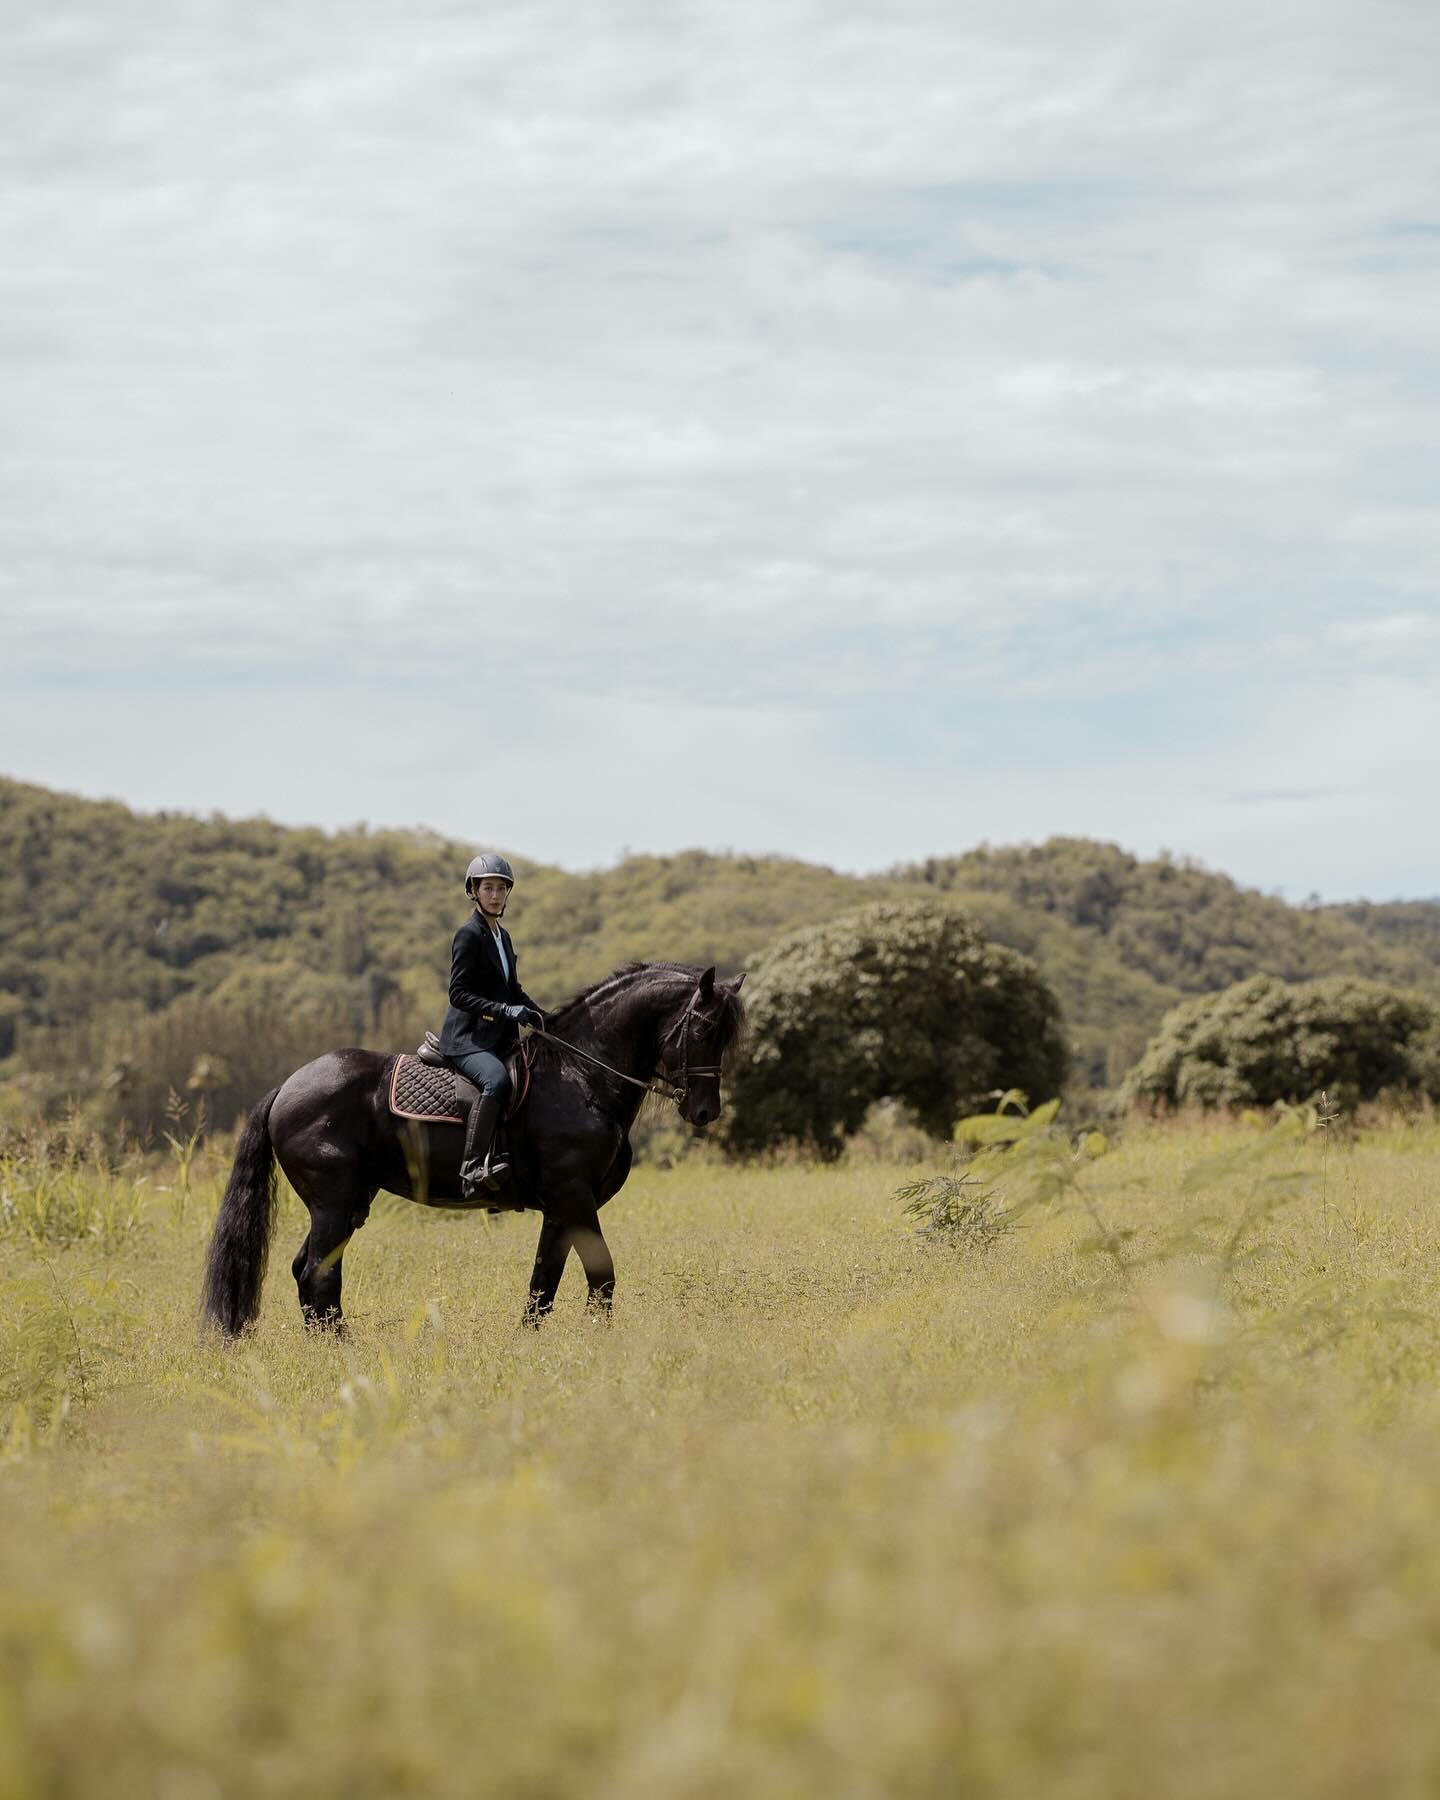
{"points": [[477, 983]]}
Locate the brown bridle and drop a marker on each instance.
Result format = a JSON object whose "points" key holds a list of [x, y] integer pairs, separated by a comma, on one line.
{"points": [[660, 1082]]}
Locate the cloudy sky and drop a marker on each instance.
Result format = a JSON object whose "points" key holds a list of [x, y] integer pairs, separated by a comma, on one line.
{"points": [[846, 430]]}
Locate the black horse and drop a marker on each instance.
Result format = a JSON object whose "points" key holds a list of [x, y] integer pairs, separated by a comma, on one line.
{"points": [[331, 1130]]}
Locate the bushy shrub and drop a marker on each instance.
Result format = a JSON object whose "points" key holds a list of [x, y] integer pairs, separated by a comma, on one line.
{"points": [[1265, 1040], [889, 1133], [904, 1000]]}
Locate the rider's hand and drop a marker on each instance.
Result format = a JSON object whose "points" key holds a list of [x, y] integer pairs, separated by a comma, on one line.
{"points": [[524, 1015]]}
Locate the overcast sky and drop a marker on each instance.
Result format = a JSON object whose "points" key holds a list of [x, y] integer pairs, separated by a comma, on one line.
{"points": [[846, 430]]}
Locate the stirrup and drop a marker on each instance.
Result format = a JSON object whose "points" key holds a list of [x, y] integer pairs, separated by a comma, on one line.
{"points": [[492, 1177], [477, 1184]]}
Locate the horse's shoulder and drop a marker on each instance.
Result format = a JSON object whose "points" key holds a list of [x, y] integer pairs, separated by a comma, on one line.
{"points": [[618, 1172]]}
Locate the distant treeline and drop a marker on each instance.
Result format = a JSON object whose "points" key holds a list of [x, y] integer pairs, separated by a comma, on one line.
{"points": [[139, 952]]}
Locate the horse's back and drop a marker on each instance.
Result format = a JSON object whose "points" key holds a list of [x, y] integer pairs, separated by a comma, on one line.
{"points": [[341, 1084]]}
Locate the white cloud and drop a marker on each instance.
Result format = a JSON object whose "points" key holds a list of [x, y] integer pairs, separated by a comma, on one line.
{"points": [[777, 367]]}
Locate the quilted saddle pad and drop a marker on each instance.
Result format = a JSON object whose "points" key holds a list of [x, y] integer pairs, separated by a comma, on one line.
{"points": [[438, 1096], [419, 1090]]}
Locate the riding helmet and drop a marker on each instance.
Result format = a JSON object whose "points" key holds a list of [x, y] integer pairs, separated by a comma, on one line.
{"points": [[487, 863]]}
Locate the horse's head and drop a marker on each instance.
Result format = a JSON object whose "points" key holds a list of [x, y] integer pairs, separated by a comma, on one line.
{"points": [[698, 1044]]}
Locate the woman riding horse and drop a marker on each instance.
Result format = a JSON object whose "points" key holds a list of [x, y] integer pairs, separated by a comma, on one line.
{"points": [[487, 1003], [649, 1028]]}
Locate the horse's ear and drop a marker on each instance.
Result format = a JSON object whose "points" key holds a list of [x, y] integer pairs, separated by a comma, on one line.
{"points": [[739, 982], [707, 984]]}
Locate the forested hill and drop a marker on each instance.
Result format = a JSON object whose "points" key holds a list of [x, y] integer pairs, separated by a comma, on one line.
{"points": [[107, 913], [1122, 939], [101, 907]]}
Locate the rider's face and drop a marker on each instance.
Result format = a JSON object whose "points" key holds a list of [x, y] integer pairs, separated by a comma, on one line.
{"points": [[492, 894]]}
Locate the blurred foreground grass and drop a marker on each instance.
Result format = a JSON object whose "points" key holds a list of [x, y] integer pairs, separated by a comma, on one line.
{"points": [[830, 1509]]}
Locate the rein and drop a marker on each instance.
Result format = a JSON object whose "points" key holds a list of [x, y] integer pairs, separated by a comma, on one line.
{"points": [[659, 1083]]}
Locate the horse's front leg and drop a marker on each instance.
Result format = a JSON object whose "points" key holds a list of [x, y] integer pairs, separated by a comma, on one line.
{"points": [[578, 1231], [550, 1254], [594, 1253]]}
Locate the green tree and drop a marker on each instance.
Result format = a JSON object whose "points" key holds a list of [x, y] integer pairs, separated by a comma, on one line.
{"points": [[901, 999], [1265, 1040], [109, 917]]}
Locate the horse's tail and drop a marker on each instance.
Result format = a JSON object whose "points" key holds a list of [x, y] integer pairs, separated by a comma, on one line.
{"points": [[240, 1244]]}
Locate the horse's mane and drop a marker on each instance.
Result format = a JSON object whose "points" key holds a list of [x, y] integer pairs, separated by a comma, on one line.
{"points": [[565, 1012], [726, 1010]]}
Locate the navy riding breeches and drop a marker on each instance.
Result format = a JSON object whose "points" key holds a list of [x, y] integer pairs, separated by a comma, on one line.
{"points": [[485, 1069]]}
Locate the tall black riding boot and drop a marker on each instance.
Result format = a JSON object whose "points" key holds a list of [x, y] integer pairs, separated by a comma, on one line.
{"points": [[480, 1170]]}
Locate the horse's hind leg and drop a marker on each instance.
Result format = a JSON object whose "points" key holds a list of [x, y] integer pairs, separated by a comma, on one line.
{"points": [[318, 1278], [317, 1268]]}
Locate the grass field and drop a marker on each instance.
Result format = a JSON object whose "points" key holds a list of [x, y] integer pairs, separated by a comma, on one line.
{"points": [[831, 1508]]}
